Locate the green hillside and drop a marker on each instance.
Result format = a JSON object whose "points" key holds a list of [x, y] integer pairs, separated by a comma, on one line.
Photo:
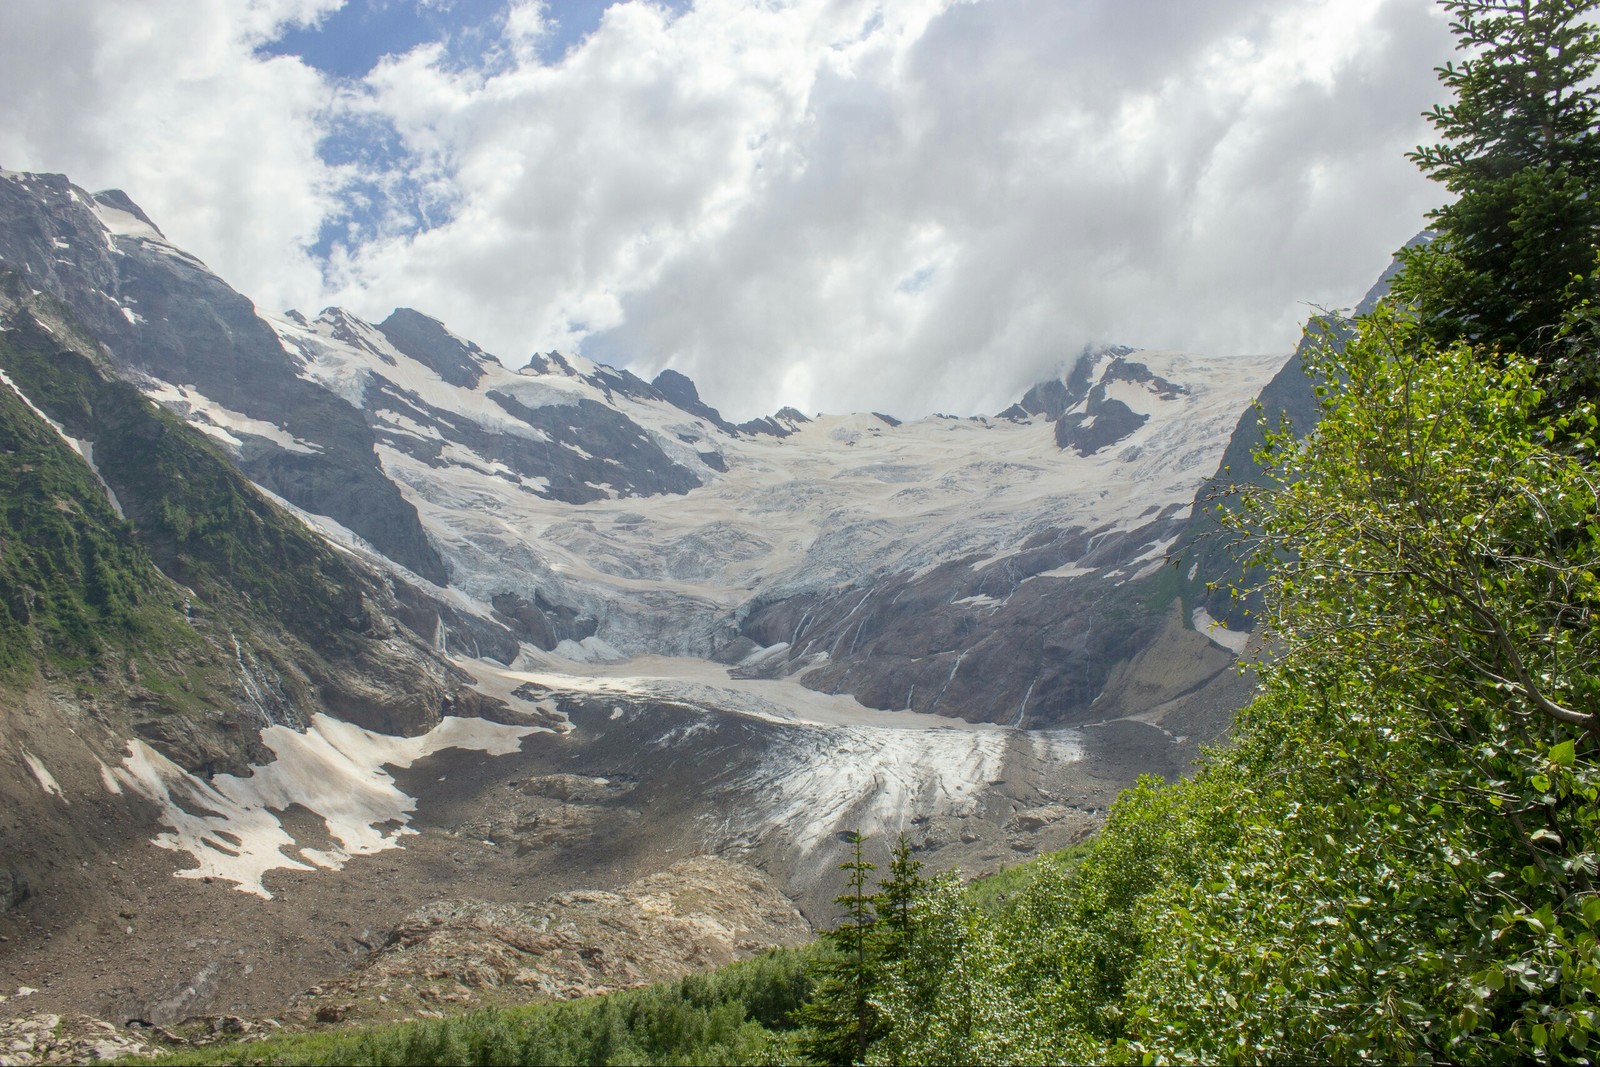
{"points": [[203, 606]]}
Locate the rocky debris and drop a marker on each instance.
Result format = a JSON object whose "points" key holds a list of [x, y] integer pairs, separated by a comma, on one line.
{"points": [[44, 1038], [179, 1000], [573, 788], [1036, 818], [546, 812], [697, 914]]}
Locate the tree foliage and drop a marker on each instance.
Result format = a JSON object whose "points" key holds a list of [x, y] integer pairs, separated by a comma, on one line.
{"points": [[840, 1018], [1520, 152], [1417, 831]]}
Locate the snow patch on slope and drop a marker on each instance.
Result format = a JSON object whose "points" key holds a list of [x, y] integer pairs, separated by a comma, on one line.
{"points": [[121, 223], [221, 423], [42, 775], [230, 825], [1234, 641]]}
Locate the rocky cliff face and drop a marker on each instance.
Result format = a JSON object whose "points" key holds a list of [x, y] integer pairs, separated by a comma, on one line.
{"points": [[161, 314]]}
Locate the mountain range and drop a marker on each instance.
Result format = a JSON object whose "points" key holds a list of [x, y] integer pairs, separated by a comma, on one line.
{"points": [[346, 617]]}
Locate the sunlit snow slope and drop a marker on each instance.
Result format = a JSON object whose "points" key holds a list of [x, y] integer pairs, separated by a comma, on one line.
{"points": [[955, 566]]}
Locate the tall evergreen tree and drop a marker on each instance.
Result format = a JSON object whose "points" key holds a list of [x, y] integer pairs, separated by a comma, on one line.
{"points": [[840, 1020], [1520, 149], [894, 902]]}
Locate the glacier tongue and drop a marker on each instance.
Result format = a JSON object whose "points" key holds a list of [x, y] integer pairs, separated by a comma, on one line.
{"points": [[831, 765]]}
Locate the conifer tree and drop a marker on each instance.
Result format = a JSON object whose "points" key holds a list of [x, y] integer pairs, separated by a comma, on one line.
{"points": [[894, 903], [839, 1018], [1515, 252]]}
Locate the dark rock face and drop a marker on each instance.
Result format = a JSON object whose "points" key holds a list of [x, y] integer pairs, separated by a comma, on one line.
{"points": [[785, 422], [1103, 423], [614, 381], [1050, 399], [609, 380], [1024, 649], [542, 623], [677, 390], [619, 455], [1087, 417], [549, 363], [429, 343], [1054, 397], [161, 312]]}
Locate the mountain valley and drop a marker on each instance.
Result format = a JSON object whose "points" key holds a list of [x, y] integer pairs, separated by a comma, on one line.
{"points": [[313, 622]]}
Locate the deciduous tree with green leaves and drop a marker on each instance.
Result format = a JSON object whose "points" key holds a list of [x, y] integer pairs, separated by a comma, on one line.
{"points": [[1416, 789]]}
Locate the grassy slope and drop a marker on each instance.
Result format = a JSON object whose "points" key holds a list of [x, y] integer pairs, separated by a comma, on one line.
{"points": [[74, 582]]}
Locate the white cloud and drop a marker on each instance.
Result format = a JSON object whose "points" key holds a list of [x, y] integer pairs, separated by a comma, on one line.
{"points": [[904, 205], [168, 101]]}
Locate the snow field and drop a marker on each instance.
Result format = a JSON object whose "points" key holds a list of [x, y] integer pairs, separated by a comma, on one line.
{"points": [[335, 770]]}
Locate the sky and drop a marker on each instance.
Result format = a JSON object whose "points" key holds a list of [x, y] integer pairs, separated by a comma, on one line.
{"points": [[897, 205]]}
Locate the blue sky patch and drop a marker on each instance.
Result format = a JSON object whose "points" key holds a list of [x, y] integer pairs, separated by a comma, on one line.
{"points": [[387, 197], [349, 42]]}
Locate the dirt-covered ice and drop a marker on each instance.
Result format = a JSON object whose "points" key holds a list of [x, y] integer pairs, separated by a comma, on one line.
{"points": [[836, 766]]}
